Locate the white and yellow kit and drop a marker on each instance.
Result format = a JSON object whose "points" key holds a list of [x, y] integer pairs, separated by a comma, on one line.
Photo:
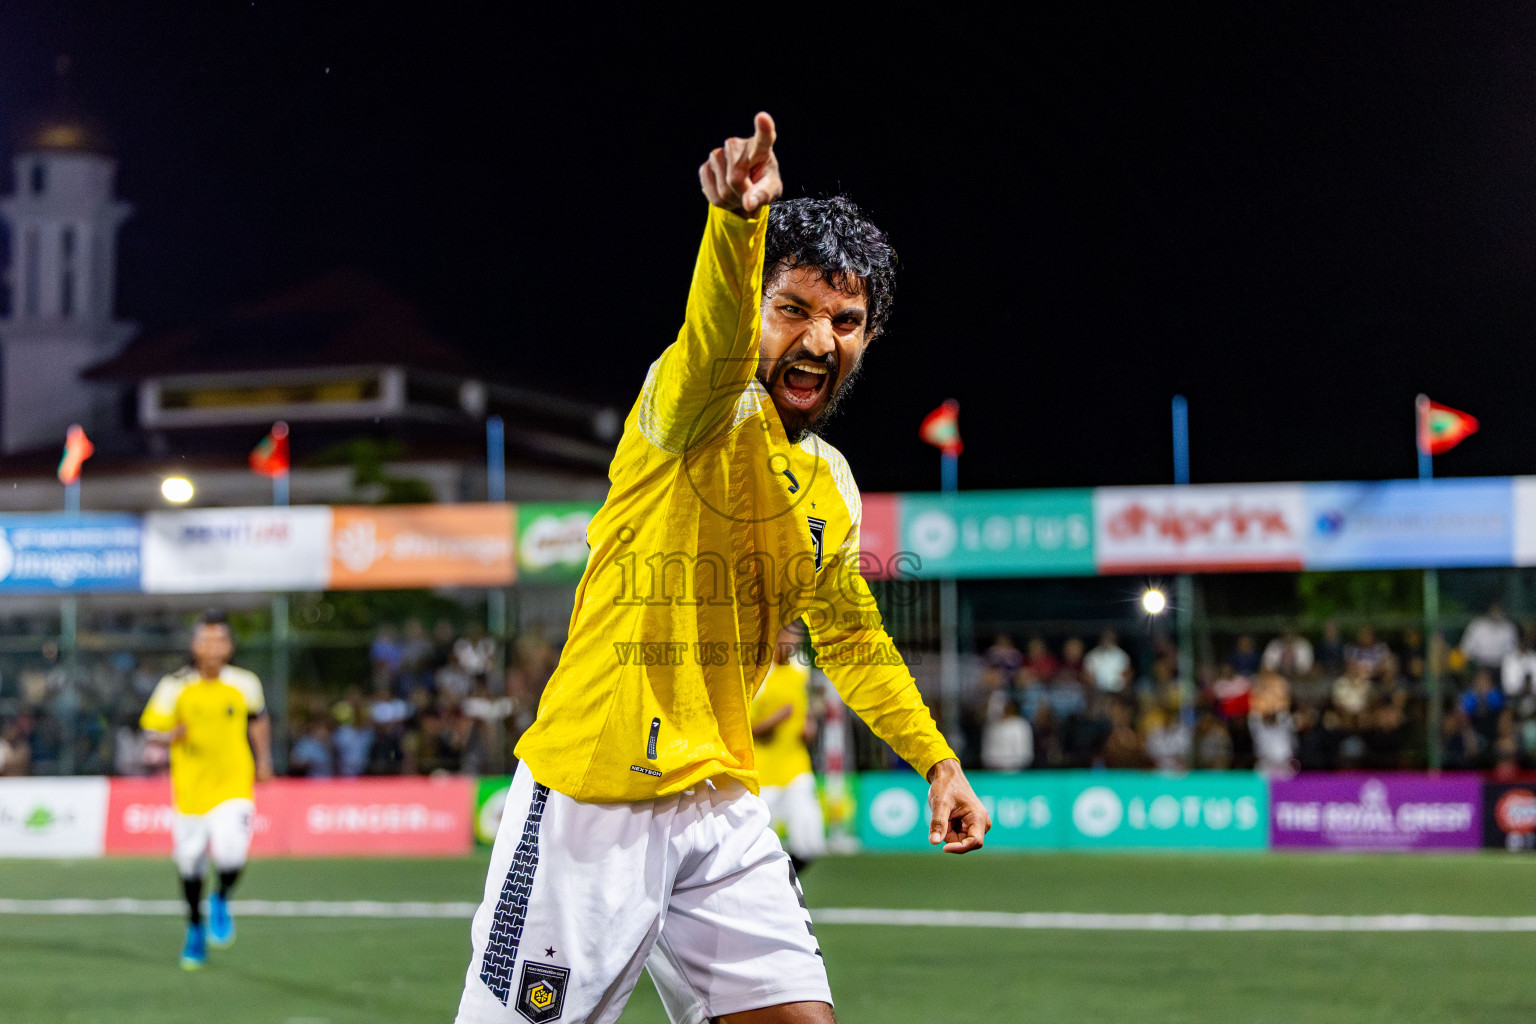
{"points": [[634, 827]]}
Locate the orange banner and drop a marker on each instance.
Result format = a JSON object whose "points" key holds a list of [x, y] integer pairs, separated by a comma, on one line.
{"points": [[378, 547]]}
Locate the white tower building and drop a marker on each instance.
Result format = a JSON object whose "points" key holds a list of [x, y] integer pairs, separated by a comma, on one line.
{"points": [[62, 220]]}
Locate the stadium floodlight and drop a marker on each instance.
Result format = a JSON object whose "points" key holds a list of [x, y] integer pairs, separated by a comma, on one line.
{"points": [[1154, 601], [177, 489]]}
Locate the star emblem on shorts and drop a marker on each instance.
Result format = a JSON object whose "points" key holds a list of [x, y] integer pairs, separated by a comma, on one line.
{"points": [[549, 950]]}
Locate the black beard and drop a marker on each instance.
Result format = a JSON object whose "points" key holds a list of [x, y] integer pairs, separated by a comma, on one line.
{"points": [[798, 426]]}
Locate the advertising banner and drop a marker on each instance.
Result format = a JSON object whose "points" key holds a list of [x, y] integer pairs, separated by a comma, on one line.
{"points": [[998, 533], [879, 533], [893, 810], [140, 812], [235, 549], [1200, 528], [490, 798], [380, 817], [1196, 811], [380, 547], [1509, 816], [91, 551], [1410, 524], [1385, 811], [552, 540], [52, 817]]}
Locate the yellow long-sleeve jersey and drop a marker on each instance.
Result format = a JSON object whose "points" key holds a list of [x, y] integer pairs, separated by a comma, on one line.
{"points": [[717, 531]]}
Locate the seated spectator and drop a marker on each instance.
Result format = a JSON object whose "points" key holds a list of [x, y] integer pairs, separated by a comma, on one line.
{"points": [[1004, 661], [1072, 660], [1244, 658], [1168, 740], [1047, 739], [1368, 652], [416, 655], [311, 754], [1272, 728], [1460, 745], [1041, 663], [384, 654], [1123, 746], [1107, 666], [1518, 671], [475, 652], [1213, 743], [1231, 694], [1007, 743], [1330, 651], [1484, 706], [1352, 694], [1488, 638], [1289, 654], [352, 740]]}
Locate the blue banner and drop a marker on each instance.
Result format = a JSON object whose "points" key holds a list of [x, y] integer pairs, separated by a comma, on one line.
{"points": [[93, 551], [1406, 524]]}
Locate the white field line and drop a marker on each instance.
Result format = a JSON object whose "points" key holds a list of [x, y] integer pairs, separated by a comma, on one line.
{"points": [[382, 910]]}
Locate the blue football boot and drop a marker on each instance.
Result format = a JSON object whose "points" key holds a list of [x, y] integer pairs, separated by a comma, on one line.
{"points": [[194, 951], [221, 926]]}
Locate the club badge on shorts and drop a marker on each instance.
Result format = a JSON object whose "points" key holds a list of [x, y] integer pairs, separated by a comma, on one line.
{"points": [[541, 993]]}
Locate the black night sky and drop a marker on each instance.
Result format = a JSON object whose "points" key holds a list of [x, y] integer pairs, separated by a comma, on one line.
{"points": [[1298, 215]]}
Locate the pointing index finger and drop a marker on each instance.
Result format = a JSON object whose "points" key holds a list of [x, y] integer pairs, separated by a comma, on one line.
{"points": [[763, 139]]}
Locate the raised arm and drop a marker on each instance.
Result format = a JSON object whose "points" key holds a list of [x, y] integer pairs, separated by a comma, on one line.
{"points": [[694, 386]]}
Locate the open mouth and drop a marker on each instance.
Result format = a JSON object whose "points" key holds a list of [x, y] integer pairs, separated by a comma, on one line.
{"points": [[803, 383]]}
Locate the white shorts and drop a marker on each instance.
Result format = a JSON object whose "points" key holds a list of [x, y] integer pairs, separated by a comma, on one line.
{"points": [[580, 896], [224, 831], [797, 807]]}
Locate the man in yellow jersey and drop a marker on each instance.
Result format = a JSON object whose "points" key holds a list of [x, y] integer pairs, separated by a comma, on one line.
{"points": [[213, 717], [779, 738], [633, 834]]}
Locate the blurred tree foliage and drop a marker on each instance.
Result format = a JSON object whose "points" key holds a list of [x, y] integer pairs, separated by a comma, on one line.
{"points": [[369, 458], [1326, 595]]}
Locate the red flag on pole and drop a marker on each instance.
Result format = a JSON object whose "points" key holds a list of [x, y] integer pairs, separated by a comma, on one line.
{"points": [[1442, 428], [941, 428], [270, 457], [77, 448]]}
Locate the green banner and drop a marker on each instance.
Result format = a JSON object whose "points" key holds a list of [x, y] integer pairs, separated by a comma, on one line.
{"points": [[552, 540], [999, 533], [893, 810], [1080, 810], [1197, 811], [490, 798]]}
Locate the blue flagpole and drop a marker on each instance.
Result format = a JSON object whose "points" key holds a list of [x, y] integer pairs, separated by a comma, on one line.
{"points": [[1184, 584]]}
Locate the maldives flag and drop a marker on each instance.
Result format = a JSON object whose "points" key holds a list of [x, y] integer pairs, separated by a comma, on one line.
{"points": [[77, 448], [941, 428], [270, 457], [1442, 428]]}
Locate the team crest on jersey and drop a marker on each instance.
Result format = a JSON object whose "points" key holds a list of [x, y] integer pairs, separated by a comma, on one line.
{"points": [[818, 527], [541, 994]]}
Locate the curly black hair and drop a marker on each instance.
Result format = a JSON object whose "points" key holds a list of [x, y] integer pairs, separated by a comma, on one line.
{"points": [[834, 237]]}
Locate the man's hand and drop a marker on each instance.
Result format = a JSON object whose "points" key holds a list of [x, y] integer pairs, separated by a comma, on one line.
{"points": [[959, 820], [743, 174]]}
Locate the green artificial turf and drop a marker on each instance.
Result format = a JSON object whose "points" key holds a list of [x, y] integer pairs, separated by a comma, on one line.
{"points": [[328, 971]]}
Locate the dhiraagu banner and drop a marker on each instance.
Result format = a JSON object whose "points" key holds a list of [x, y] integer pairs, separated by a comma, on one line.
{"points": [[1196, 811], [996, 533], [893, 810]]}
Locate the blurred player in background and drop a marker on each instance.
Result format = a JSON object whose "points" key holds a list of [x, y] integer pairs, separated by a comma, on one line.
{"points": [[213, 717], [633, 834], [781, 732]]}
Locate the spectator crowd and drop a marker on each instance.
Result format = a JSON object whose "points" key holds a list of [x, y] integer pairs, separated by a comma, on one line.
{"points": [[1294, 703]]}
